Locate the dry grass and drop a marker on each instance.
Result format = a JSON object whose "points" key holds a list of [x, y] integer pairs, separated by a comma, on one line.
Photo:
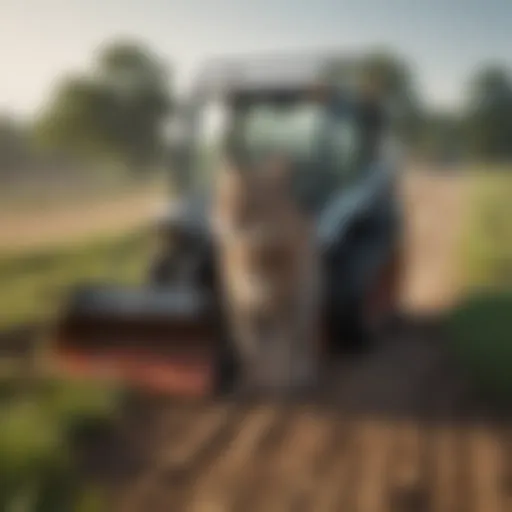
{"points": [[487, 242], [56, 225]]}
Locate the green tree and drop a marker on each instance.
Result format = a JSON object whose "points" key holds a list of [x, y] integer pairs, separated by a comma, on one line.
{"points": [[440, 135], [115, 111], [392, 76], [15, 148], [384, 74], [489, 113]]}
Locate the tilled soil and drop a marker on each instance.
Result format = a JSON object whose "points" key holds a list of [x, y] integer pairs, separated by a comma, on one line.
{"points": [[397, 430]]}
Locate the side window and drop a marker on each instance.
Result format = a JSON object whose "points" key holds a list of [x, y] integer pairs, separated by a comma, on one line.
{"points": [[345, 148], [212, 128]]}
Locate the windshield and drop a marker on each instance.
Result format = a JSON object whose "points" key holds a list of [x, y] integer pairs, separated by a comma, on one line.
{"points": [[291, 130], [323, 143]]}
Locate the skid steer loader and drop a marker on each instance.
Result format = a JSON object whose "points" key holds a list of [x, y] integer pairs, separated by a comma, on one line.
{"points": [[170, 335]]}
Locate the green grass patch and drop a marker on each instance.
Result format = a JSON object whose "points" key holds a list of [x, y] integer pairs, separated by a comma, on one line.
{"points": [[487, 240], [481, 334], [41, 420], [481, 327], [38, 429], [33, 284]]}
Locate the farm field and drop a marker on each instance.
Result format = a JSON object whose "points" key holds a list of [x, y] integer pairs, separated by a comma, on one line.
{"points": [[31, 229], [45, 251], [399, 429]]}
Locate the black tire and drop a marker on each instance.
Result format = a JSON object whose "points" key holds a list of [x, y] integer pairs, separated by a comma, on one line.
{"points": [[227, 370], [359, 336], [349, 332]]}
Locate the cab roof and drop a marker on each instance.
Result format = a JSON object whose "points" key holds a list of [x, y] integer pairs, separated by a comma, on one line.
{"points": [[282, 72]]}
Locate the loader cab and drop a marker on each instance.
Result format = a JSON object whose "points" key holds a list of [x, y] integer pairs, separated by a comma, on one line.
{"points": [[328, 136]]}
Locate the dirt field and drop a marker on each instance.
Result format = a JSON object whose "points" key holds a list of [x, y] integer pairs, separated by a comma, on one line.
{"points": [[409, 440], [435, 208], [396, 430], [25, 231]]}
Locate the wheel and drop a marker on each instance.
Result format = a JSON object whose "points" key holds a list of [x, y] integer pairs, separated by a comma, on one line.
{"points": [[228, 369], [347, 331], [383, 302], [356, 324], [380, 307], [356, 331]]}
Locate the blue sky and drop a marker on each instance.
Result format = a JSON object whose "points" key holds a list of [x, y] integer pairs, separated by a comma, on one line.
{"points": [[444, 40]]}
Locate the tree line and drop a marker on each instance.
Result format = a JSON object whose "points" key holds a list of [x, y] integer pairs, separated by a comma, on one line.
{"points": [[117, 111]]}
